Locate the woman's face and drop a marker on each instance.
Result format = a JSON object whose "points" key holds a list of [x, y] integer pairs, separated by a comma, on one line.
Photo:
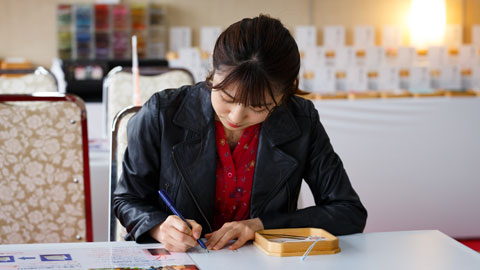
{"points": [[235, 116]]}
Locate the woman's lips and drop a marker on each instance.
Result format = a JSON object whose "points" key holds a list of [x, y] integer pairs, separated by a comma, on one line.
{"points": [[232, 125]]}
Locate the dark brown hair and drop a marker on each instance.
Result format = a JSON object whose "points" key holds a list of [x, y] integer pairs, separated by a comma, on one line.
{"points": [[260, 57]]}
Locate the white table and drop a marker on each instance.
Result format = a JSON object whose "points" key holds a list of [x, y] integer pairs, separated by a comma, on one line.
{"points": [[393, 250]]}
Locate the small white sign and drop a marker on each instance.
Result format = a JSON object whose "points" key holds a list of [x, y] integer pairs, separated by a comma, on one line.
{"points": [[334, 36], [324, 80], [208, 37], [467, 55], [313, 57], [391, 36], [419, 80], [190, 59], [306, 37], [345, 56], [406, 57], [437, 56], [388, 78], [451, 77], [453, 35], [180, 37], [357, 79], [375, 57], [364, 36]]}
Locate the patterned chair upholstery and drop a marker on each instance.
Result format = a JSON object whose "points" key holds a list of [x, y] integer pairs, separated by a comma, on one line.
{"points": [[44, 170], [118, 93], [30, 81], [119, 143]]}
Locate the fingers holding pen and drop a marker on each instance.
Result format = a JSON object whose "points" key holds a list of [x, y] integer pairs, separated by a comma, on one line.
{"points": [[196, 228], [175, 234]]}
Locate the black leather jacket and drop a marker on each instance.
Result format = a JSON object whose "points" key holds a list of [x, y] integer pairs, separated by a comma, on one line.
{"points": [[171, 145]]}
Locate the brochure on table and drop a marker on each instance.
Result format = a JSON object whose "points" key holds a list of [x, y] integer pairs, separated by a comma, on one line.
{"points": [[150, 256]]}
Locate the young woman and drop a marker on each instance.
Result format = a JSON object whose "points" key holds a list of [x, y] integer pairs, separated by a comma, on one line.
{"points": [[232, 151]]}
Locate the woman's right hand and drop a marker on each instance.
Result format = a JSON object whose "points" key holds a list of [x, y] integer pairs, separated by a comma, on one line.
{"points": [[175, 234]]}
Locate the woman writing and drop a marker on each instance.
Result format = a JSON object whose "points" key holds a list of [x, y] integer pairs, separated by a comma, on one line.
{"points": [[232, 151]]}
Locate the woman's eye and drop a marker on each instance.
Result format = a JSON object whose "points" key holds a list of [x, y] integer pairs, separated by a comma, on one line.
{"points": [[258, 109], [227, 100]]}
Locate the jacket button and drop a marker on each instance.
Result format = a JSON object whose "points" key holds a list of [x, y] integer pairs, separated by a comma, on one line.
{"points": [[229, 175]]}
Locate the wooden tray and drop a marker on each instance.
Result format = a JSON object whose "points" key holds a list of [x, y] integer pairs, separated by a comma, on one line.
{"points": [[327, 246]]}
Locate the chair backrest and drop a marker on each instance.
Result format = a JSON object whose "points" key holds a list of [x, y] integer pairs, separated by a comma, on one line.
{"points": [[118, 85], [118, 145], [28, 81], [44, 169]]}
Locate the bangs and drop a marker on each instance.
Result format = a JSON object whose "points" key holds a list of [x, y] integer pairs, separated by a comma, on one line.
{"points": [[251, 85]]}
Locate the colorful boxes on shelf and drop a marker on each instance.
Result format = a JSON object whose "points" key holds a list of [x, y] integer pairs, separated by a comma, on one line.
{"points": [[101, 31]]}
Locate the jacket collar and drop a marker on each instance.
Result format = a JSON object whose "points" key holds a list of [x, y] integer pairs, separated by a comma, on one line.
{"points": [[280, 127], [196, 112]]}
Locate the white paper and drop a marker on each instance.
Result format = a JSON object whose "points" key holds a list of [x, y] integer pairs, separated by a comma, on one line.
{"points": [[364, 36], [391, 36], [306, 37], [208, 37], [476, 35], [333, 36], [84, 257], [180, 37]]}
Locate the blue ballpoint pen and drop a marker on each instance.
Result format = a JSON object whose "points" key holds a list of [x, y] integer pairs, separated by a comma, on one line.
{"points": [[168, 201]]}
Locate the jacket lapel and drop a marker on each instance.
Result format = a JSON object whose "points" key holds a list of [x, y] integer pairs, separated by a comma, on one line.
{"points": [[195, 157], [273, 166]]}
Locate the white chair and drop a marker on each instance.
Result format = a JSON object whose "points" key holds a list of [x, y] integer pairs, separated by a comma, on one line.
{"points": [[118, 85], [27, 81], [118, 145], [44, 169]]}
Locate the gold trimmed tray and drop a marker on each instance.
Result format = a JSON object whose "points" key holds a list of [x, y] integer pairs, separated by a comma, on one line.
{"points": [[327, 246]]}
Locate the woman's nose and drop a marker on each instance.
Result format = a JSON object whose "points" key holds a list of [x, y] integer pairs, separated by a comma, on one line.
{"points": [[237, 113]]}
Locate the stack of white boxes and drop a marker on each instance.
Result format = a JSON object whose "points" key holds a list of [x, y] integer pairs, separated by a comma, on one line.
{"points": [[197, 60], [335, 67]]}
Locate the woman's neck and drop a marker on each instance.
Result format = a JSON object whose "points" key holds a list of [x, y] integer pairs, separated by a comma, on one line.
{"points": [[232, 137]]}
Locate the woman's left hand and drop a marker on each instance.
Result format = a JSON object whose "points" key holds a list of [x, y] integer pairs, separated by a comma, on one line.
{"points": [[241, 230]]}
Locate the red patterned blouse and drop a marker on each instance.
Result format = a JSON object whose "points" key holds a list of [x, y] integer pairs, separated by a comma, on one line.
{"points": [[234, 175]]}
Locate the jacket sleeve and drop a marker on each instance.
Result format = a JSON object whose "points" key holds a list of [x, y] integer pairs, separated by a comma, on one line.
{"points": [[135, 201], [337, 206]]}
